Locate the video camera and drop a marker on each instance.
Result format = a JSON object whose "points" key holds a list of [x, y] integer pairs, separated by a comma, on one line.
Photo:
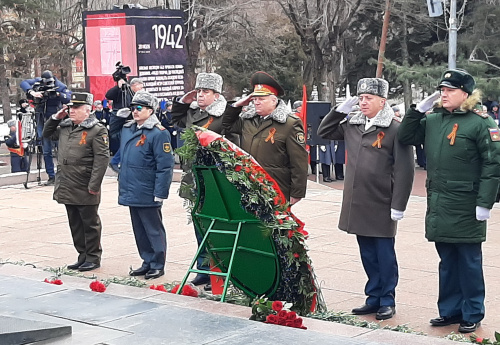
{"points": [[121, 72], [48, 91]]}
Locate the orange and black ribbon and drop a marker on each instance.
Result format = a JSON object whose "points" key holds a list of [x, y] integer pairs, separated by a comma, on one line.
{"points": [[19, 151], [378, 142], [210, 120], [83, 140], [141, 141], [272, 132], [452, 136]]}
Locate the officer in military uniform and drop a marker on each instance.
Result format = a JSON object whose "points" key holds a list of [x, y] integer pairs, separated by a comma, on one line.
{"points": [[272, 135], [204, 107], [463, 172], [82, 161], [378, 182], [144, 181]]}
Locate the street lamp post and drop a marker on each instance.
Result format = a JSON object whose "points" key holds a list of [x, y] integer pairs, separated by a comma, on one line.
{"points": [[452, 42]]}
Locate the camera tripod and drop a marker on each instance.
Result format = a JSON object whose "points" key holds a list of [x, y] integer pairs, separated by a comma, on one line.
{"points": [[34, 143]]}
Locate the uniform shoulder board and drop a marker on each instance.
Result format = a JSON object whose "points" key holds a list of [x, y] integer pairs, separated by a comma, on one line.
{"points": [[160, 127], [477, 112], [397, 119], [294, 115]]}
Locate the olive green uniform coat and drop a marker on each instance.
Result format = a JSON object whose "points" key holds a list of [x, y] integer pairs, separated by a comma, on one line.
{"points": [[277, 143], [460, 175], [82, 159], [376, 178]]}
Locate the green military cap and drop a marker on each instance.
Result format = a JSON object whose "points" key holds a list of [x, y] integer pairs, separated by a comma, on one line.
{"points": [[457, 79], [79, 98]]}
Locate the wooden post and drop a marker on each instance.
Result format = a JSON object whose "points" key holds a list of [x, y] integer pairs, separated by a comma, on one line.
{"points": [[383, 39]]}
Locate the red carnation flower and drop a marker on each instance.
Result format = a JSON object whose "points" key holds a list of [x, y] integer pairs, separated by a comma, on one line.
{"points": [[97, 286], [271, 318], [291, 316], [189, 291], [175, 289], [152, 287], [238, 168], [161, 288], [297, 323], [290, 233], [277, 306], [282, 313], [296, 255], [57, 281], [280, 221], [281, 321], [479, 340]]}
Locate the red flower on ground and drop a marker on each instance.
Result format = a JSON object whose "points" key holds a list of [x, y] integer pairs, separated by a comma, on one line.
{"points": [[281, 321], [290, 233], [238, 168], [53, 281], [297, 323], [277, 306], [296, 255], [479, 340], [161, 288], [189, 291], [271, 318], [282, 313], [97, 286], [291, 316], [175, 289]]}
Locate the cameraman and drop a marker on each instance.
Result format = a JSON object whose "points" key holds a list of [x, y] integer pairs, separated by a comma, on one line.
{"points": [[48, 94], [121, 94]]}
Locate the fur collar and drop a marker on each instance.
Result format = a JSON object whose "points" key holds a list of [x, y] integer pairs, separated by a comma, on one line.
{"points": [[148, 124], [280, 114], [216, 109], [382, 119], [89, 122]]}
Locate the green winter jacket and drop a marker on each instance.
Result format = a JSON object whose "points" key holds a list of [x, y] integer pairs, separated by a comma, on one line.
{"points": [[462, 173]]}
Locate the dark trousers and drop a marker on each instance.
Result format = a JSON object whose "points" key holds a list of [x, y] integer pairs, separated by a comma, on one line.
{"points": [[86, 230], [461, 281], [150, 236], [202, 261], [379, 261]]}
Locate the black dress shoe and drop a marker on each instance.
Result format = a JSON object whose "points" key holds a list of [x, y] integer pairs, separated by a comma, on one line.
{"points": [[365, 309], [446, 320], [152, 274], [201, 279], [340, 178], [138, 272], [468, 327], [208, 287], [74, 266], [385, 312], [327, 179], [88, 266]]}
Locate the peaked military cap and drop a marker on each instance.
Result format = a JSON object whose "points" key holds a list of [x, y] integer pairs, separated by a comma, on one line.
{"points": [[373, 86], [145, 99], [264, 85], [211, 81], [79, 98], [457, 79]]}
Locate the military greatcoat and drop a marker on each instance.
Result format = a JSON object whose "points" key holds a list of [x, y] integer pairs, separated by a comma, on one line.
{"points": [[82, 159], [379, 171], [463, 170], [277, 143]]}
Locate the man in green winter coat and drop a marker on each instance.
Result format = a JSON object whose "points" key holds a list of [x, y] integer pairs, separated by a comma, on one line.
{"points": [[82, 160], [463, 172], [271, 134]]}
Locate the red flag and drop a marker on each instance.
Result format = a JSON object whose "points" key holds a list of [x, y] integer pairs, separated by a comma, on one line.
{"points": [[303, 115], [303, 111]]}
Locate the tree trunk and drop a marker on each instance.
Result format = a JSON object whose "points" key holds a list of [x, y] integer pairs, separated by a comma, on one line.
{"points": [[407, 93], [4, 85]]}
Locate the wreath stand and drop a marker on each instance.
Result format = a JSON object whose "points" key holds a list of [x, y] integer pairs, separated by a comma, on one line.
{"points": [[237, 241]]}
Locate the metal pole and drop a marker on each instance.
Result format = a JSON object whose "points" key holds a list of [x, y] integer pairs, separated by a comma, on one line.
{"points": [[383, 39], [452, 44]]}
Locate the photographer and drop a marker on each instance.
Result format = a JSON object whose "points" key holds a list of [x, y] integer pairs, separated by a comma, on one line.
{"points": [[48, 95], [121, 94]]}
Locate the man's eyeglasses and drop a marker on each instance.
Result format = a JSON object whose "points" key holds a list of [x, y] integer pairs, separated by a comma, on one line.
{"points": [[138, 107]]}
